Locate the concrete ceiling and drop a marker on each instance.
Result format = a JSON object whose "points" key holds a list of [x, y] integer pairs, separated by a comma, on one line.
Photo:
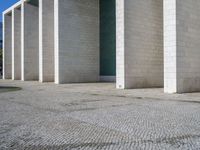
{"points": [[33, 2]]}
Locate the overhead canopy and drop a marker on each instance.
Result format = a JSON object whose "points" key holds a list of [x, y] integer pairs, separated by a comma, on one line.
{"points": [[33, 2]]}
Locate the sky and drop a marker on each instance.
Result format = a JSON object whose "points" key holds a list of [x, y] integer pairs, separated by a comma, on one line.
{"points": [[4, 4]]}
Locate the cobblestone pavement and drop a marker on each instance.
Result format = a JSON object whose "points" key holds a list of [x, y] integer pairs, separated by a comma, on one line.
{"points": [[96, 117]]}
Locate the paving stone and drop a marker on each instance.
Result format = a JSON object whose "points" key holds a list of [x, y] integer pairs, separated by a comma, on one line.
{"points": [[95, 117]]}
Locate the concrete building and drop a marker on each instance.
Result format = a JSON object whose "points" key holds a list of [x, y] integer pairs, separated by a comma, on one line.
{"points": [[72, 41]]}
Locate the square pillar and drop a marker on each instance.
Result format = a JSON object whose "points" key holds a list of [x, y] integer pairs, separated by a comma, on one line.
{"points": [[170, 48], [182, 43], [76, 41], [46, 40], [7, 45], [16, 44], [139, 43], [30, 42]]}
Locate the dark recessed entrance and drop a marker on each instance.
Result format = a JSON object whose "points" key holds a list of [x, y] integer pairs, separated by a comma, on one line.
{"points": [[107, 38]]}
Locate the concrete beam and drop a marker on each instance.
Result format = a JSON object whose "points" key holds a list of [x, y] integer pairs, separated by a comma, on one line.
{"points": [[76, 41], [7, 45], [30, 42], [16, 44], [46, 41], [16, 5], [139, 43]]}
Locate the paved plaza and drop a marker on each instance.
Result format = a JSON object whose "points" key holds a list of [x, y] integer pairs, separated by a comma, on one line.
{"points": [[96, 116]]}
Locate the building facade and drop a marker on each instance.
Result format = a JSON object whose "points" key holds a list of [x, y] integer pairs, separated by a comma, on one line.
{"points": [[137, 43]]}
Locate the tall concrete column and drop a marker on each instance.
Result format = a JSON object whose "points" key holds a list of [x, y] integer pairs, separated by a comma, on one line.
{"points": [[30, 42], [7, 46], [120, 44], [76, 41], [16, 44], [139, 43], [170, 54], [182, 43], [46, 40]]}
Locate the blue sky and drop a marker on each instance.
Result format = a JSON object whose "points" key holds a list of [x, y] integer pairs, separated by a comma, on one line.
{"points": [[4, 4]]}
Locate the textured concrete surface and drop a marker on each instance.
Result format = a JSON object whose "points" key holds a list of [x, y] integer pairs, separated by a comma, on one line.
{"points": [[46, 40], [7, 46], [139, 43], [16, 44], [76, 41], [188, 36], [182, 54], [96, 116], [30, 42]]}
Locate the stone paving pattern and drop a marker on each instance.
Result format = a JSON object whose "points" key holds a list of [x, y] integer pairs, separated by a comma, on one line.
{"points": [[95, 117]]}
